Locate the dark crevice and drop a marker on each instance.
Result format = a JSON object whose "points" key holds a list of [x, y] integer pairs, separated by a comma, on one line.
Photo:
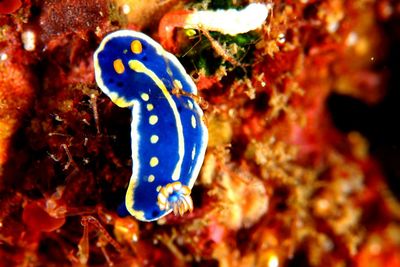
{"points": [[379, 123]]}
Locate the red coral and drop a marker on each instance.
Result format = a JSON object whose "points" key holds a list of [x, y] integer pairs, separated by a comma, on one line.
{"points": [[38, 220], [9, 6], [60, 19]]}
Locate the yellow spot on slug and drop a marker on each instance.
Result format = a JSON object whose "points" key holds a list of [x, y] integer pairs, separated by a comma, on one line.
{"points": [[151, 178], [193, 122], [154, 139], [145, 97], [153, 161], [190, 104], [177, 83], [153, 119], [193, 152], [136, 47], [121, 102], [169, 71], [118, 66], [150, 107]]}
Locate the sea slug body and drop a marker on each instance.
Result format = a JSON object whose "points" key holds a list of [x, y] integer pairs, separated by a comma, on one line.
{"points": [[168, 134]]}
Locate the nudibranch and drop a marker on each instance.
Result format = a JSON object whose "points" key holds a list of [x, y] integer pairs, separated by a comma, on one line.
{"points": [[230, 21], [168, 134]]}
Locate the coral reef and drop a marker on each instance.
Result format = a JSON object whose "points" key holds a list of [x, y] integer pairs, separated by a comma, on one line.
{"points": [[280, 185]]}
